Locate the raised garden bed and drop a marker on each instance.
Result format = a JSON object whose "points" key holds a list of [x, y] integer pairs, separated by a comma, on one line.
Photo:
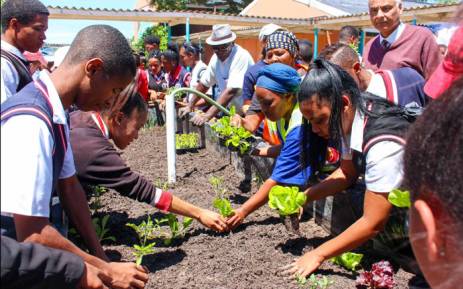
{"points": [[246, 258]]}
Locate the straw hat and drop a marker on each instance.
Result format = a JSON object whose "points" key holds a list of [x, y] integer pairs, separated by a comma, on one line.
{"points": [[221, 34]]}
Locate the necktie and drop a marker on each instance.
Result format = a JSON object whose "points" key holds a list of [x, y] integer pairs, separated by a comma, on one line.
{"points": [[386, 45]]}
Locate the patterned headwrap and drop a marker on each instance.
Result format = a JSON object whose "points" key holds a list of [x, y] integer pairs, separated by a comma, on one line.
{"points": [[282, 39], [279, 78]]}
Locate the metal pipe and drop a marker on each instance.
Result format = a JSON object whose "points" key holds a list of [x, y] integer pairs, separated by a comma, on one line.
{"points": [[361, 42], [170, 127], [315, 43], [187, 29]]}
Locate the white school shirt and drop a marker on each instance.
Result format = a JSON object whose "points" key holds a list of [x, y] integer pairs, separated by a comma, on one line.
{"points": [[384, 161], [9, 76], [229, 73], [198, 70], [26, 162]]}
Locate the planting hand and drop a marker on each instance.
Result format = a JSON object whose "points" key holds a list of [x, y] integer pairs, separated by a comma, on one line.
{"points": [[303, 266], [236, 219], [236, 120], [184, 111], [212, 220], [127, 275], [200, 119], [92, 278]]}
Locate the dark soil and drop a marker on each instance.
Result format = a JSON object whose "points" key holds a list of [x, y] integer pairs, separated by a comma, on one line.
{"points": [[246, 258]]}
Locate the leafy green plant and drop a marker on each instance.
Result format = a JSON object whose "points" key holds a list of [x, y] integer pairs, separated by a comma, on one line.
{"points": [[400, 198], [101, 229], [97, 192], [287, 200], [177, 229], [235, 137], [187, 141], [145, 232], [221, 202], [163, 185], [348, 260], [314, 281]]}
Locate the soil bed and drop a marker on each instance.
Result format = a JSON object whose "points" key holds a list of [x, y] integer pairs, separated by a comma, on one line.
{"points": [[246, 258]]}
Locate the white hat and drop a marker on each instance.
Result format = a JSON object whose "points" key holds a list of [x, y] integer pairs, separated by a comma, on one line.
{"points": [[267, 30], [221, 34]]}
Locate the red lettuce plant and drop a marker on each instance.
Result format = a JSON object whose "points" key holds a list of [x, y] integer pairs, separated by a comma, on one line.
{"points": [[381, 276]]}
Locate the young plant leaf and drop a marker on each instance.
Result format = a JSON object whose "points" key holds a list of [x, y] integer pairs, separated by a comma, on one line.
{"points": [[348, 260], [399, 198], [223, 206], [287, 200]]}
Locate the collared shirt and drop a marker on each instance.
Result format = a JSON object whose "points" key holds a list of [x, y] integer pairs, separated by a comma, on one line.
{"points": [[229, 73], [384, 165], [394, 35], [27, 159], [9, 76]]}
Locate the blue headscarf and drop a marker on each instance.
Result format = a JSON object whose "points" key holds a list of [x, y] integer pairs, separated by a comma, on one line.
{"points": [[279, 78]]}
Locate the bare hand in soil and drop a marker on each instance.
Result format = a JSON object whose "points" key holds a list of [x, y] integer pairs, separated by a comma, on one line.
{"points": [[236, 219], [199, 119], [91, 278], [303, 266], [213, 221], [127, 275], [184, 111]]}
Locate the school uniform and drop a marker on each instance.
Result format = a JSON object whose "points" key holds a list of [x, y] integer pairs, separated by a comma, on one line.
{"points": [[15, 71], [35, 149]]}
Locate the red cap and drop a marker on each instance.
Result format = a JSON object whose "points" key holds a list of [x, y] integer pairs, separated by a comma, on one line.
{"points": [[450, 69], [37, 56]]}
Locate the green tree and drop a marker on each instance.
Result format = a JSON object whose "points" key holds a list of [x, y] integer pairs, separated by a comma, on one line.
{"points": [[156, 30]]}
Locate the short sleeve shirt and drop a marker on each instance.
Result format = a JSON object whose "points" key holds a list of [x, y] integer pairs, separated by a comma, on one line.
{"points": [[250, 79], [383, 163], [230, 73], [9, 75], [26, 162]]}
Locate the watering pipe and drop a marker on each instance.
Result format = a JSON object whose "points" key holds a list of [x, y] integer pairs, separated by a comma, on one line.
{"points": [[170, 126]]}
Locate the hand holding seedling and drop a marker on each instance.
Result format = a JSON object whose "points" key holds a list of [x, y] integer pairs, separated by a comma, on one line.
{"points": [[236, 120], [127, 275], [212, 220], [303, 266], [236, 219]]}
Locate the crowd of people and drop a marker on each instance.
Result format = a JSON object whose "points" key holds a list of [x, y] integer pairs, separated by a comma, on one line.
{"points": [[392, 116]]}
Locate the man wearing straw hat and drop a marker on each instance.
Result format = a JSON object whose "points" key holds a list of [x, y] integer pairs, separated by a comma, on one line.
{"points": [[226, 69]]}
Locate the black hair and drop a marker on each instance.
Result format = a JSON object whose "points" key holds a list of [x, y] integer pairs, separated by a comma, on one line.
{"points": [[305, 50], [23, 10], [100, 41], [135, 101], [137, 59], [347, 32], [434, 153], [151, 39], [171, 53], [155, 54], [340, 54], [193, 48]]}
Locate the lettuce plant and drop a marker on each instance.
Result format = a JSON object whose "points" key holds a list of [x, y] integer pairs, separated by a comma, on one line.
{"points": [[186, 141], [399, 198], [381, 276], [287, 200], [348, 260], [314, 282], [223, 206], [221, 202]]}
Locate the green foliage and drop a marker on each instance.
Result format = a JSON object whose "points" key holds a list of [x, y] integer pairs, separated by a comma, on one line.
{"points": [[314, 282], [221, 202], [287, 200], [187, 141], [223, 206], [97, 192], [348, 260], [156, 30], [145, 232], [399, 198], [176, 230], [236, 137], [163, 185], [101, 229]]}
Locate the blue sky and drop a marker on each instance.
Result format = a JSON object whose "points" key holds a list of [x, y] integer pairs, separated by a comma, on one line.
{"points": [[64, 31]]}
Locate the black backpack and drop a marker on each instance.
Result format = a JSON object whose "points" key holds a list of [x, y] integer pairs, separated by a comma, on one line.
{"points": [[21, 66]]}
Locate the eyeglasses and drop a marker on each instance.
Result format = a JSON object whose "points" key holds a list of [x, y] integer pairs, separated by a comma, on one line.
{"points": [[221, 47]]}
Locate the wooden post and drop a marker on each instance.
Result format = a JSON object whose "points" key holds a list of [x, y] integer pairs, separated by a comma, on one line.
{"points": [[328, 37]]}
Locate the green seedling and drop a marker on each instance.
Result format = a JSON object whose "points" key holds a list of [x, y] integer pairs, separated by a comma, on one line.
{"points": [[221, 202], [163, 185], [101, 229], [287, 200], [348, 260], [97, 192], [236, 137], [314, 282], [146, 232], [176, 230], [399, 198], [187, 141]]}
